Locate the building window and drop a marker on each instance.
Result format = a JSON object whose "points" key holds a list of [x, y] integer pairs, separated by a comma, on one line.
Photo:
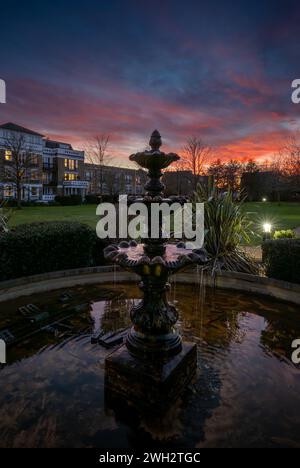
{"points": [[8, 155], [71, 164], [70, 176], [33, 158], [34, 175], [46, 178], [8, 192]]}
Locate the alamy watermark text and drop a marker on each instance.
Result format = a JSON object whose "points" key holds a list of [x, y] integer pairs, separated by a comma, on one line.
{"points": [[2, 92], [160, 220]]}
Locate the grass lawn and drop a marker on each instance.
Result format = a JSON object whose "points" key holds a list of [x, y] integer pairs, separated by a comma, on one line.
{"points": [[81, 213], [280, 215], [283, 215]]}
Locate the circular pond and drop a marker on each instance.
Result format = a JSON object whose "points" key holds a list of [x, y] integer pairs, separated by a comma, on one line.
{"points": [[246, 392]]}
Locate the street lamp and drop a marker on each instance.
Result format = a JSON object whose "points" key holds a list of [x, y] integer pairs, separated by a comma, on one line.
{"points": [[264, 199], [267, 228]]}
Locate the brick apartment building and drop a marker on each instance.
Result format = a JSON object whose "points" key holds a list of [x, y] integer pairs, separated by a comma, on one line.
{"points": [[32, 187], [63, 170], [55, 167], [112, 180], [58, 169]]}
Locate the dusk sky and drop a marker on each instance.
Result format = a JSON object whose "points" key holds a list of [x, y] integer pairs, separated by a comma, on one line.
{"points": [[218, 70]]}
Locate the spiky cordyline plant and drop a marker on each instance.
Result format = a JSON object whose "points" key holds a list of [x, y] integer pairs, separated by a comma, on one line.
{"points": [[4, 217], [226, 226]]}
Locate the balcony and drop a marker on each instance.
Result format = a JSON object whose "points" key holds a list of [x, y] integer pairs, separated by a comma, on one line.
{"points": [[49, 197], [84, 184], [32, 182]]}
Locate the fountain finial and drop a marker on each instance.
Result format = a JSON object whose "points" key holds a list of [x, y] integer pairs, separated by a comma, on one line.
{"points": [[155, 140]]}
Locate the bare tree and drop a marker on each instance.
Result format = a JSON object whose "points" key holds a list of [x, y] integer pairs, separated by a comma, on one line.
{"points": [[99, 157], [196, 153], [18, 168], [289, 156], [251, 166]]}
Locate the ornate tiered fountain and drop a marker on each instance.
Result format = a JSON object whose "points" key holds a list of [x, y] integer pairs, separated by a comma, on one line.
{"points": [[154, 365]]}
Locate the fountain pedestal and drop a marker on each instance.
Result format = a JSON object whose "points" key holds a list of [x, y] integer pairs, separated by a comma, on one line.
{"points": [[149, 385]]}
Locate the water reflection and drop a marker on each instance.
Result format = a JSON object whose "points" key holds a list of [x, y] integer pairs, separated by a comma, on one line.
{"points": [[246, 393]]}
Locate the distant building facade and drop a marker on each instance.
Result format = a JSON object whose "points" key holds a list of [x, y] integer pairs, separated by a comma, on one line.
{"points": [[58, 169], [32, 186], [63, 170], [113, 180], [55, 167], [181, 182], [270, 185]]}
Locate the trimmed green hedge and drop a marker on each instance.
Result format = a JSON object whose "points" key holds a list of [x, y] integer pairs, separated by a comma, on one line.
{"points": [[68, 200], [282, 259], [284, 234], [91, 199], [35, 248]]}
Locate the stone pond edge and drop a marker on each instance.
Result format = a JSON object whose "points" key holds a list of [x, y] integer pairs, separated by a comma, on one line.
{"points": [[26, 286]]}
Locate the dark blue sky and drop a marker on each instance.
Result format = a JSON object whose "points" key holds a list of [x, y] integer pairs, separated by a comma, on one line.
{"points": [[219, 70]]}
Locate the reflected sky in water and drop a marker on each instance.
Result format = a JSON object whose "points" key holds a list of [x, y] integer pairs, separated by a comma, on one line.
{"points": [[246, 392]]}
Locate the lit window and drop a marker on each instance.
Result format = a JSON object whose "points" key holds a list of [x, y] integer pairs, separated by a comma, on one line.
{"points": [[70, 176], [33, 158], [34, 175], [8, 192], [8, 155], [66, 163]]}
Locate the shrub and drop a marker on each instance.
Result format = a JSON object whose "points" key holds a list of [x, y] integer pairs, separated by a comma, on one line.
{"points": [[12, 203], [282, 259], [68, 200], [226, 227], [35, 248], [92, 199], [284, 234], [5, 214]]}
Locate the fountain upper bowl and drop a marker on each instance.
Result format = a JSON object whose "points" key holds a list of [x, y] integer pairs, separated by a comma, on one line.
{"points": [[155, 160]]}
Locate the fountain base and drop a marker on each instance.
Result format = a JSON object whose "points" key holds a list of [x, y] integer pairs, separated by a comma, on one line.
{"points": [[149, 385]]}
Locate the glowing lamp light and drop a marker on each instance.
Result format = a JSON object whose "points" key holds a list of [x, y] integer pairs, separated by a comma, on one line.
{"points": [[264, 199], [267, 227]]}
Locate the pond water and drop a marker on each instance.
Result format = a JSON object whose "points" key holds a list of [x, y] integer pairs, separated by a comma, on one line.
{"points": [[246, 392]]}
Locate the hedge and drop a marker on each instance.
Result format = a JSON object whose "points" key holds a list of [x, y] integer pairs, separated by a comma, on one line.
{"points": [[68, 200], [92, 199], [284, 234], [282, 259], [35, 248]]}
